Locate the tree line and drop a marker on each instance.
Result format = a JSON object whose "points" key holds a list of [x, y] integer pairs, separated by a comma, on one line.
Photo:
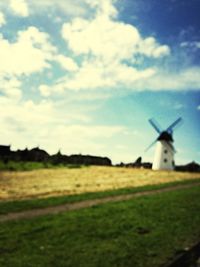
{"points": [[39, 155]]}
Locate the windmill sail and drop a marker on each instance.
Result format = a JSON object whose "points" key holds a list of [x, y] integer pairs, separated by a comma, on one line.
{"points": [[152, 144], [174, 125], [155, 125]]}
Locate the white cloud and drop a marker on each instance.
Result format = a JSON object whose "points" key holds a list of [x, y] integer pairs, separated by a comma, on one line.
{"points": [[102, 37], [19, 7], [11, 87], [69, 7], [77, 132], [187, 79], [198, 108], [109, 50], [72, 8], [44, 114], [149, 47], [103, 51], [192, 44], [39, 114], [21, 122], [81, 138], [105, 59], [2, 19], [44, 90], [104, 54], [28, 124], [76, 7], [95, 74], [30, 53], [67, 63], [103, 7]]}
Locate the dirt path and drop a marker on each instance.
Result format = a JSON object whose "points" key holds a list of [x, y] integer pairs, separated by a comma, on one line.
{"points": [[85, 204]]}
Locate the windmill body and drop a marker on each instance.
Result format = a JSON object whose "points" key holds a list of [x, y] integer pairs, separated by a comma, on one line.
{"points": [[164, 153]]}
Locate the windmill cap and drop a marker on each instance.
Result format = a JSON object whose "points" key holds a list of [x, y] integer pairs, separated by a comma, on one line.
{"points": [[165, 136]]}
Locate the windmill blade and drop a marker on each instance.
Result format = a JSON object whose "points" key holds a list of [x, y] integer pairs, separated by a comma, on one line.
{"points": [[174, 125], [152, 144], [155, 125]]}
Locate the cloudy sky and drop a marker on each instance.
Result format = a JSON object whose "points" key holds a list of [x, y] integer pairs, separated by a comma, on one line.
{"points": [[84, 76]]}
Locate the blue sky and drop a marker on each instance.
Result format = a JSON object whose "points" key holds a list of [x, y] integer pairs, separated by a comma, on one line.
{"points": [[84, 76]]}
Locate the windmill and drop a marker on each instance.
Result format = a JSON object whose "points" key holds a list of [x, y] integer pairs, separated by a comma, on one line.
{"points": [[164, 153]]}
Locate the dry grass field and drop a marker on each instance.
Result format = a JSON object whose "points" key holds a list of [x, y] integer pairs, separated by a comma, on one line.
{"points": [[65, 181]]}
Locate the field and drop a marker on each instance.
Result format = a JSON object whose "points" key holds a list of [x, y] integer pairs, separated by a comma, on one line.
{"points": [[143, 232], [70, 181]]}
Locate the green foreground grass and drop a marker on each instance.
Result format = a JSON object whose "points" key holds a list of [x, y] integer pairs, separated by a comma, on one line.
{"points": [[143, 232], [22, 205]]}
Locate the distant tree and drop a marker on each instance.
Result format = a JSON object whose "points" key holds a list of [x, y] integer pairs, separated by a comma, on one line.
{"points": [[38, 155], [138, 162]]}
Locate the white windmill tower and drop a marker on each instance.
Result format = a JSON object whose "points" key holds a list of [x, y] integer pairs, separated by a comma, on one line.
{"points": [[164, 153]]}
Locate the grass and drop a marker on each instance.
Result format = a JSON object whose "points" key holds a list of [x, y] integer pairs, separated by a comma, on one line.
{"points": [[143, 232], [40, 183], [30, 166], [22, 205]]}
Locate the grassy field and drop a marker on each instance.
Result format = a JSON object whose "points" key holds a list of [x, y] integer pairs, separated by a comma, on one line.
{"points": [[35, 203], [70, 181], [143, 232]]}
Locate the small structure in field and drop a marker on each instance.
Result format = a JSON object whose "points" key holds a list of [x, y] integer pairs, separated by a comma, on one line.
{"points": [[164, 153]]}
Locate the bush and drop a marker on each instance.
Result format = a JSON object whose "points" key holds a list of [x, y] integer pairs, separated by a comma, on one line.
{"points": [[29, 165], [22, 166]]}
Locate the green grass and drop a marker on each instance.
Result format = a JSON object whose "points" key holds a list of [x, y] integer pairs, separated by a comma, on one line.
{"points": [[144, 232], [21, 205], [29, 166]]}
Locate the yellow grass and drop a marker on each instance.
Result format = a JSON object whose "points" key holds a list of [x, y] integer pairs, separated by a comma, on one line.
{"points": [[52, 182]]}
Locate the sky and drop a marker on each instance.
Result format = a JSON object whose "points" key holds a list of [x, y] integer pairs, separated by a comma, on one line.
{"points": [[84, 76]]}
